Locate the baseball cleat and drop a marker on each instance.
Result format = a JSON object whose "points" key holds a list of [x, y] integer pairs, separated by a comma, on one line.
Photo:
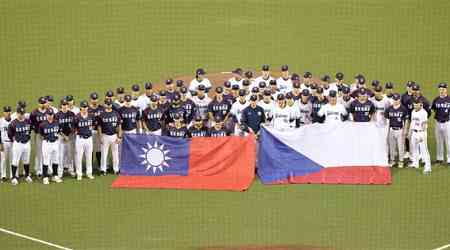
{"points": [[56, 179], [438, 162], [14, 181], [79, 177], [45, 181], [413, 166], [391, 163], [90, 177], [103, 173], [28, 179], [400, 165], [116, 172], [427, 172]]}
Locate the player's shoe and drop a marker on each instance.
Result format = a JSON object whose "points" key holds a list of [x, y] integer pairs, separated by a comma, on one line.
{"points": [[4, 179], [56, 179], [28, 179], [90, 177], [412, 166], [406, 155], [391, 163], [103, 173], [400, 164], [438, 162], [14, 181], [79, 177], [427, 172], [45, 181], [116, 172]]}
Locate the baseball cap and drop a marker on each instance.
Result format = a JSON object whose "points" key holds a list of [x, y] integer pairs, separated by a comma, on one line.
{"points": [[319, 90], [183, 90], [295, 77], [135, 87], [396, 96], [332, 93], [409, 84], [284, 67], [273, 82], [169, 81], [267, 92], [49, 98], [153, 98], [219, 90], [255, 90], [265, 67], [362, 91], [50, 112], [148, 85], [109, 93], [201, 87], [262, 85], [248, 74], [253, 98], [416, 87], [227, 84], [162, 93], [235, 87], [361, 79], [280, 97], [296, 85], [200, 71], [237, 71], [325, 78], [108, 102], [417, 100], [389, 85], [21, 104], [305, 92], [289, 95], [180, 83], [442, 85], [176, 97], [127, 98], [242, 92], [245, 82], [42, 100], [20, 110], [120, 90], [63, 102], [378, 88], [83, 104], [340, 76], [93, 96], [7, 109], [307, 74], [345, 90], [375, 83], [313, 86]]}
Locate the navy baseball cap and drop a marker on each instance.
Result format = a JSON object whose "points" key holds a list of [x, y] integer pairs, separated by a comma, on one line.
{"points": [[127, 98], [442, 85], [109, 93], [7, 109], [378, 88], [305, 92], [396, 96], [313, 86], [153, 98], [248, 74], [227, 84], [416, 87], [267, 92], [135, 87], [289, 95], [49, 98], [273, 82], [284, 67], [340, 76], [409, 84], [389, 85], [375, 83], [148, 85], [180, 83], [50, 112], [176, 97], [262, 85], [42, 100], [265, 67], [253, 98], [237, 71], [332, 93], [362, 91], [245, 82], [417, 100], [307, 74], [63, 102], [235, 87], [255, 90], [20, 110], [345, 90], [280, 97], [361, 79], [295, 77], [93, 96], [162, 93], [200, 71], [169, 81], [201, 87], [183, 90], [325, 78], [108, 102], [296, 85], [219, 90], [83, 104], [120, 90], [242, 92], [21, 104], [319, 90]]}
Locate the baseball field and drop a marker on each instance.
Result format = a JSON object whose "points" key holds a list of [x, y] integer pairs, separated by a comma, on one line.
{"points": [[77, 47]]}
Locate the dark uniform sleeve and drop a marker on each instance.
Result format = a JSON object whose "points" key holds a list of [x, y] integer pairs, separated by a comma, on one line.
{"points": [[386, 114], [426, 106], [351, 108], [11, 130], [372, 108], [433, 105], [244, 118]]}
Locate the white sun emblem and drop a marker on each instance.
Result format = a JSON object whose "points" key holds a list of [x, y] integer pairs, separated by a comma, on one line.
{"points": [[155, 157]]}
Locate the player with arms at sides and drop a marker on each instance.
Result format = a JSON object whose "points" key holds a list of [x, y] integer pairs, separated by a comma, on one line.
{"points": [[187, 104], [345, 98], [237, 108], [317, 102], [268, 105], [305, 109], [120, 93], [362, 109], [389, 91], [95, 109], [50, 131], [110, 129], [441, 108], [177, 128], [37, 117], [228, 94], [296, 90], [218, 106], [253, 116], [50, 100], [284, 82], [201, 101], [170, 89], [65, 118], [418, 127], [6, 152], [293, 105], [265, 75], [19, 133], [333, 112], [237, 77], [282, 115], [218, 129], [130, 117], [143, 100], [381, 103], [152, 117], [397, 117], [83, 127], [200, 78], [198, 129]]}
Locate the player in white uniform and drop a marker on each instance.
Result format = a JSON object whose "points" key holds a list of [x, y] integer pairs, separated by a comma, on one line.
{"points": [[200, 78], [389, 91], [264, 77], [237, 77], [6, 153], [268, 105], [381, 103], [143, 100], [23, 105], [201, 101], [120, 95], [295, 112], [333, 111], [305, 108], [282, 115], [339, 82], [418, 128], [237, 108], [345, 98], [284, 82]]}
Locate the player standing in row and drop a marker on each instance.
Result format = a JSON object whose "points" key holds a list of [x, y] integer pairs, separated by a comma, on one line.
{"points": [[95, 109], [253, 116], [362, 109], [441, 108], [418, 127], [332, 111], [237, 108], [84, 124], [38, 116], [6, 152], [200, 78], [152, 117], [50, 132], [110, 130], [305, 108], [202, 101], [397, 117], [381, 103], [198, 129], [284, 83], [19, 133], [65, 117], [282, 115], [130, 117]]}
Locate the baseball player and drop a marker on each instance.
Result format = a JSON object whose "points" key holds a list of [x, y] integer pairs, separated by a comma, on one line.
{"points": [[130, 117], [418, 127], [296, 90], [265, 75], [201, 101], [135, 93], [71, 103], [345, 98], [389, 91], [317, 102], [175, 107], [50, 100], [248, 75], [22, 104], [84, 124], [198, 129], [332, 111], [295, 112], [178, 129], [163, 101], [38, 116], [152, 117], [274, 89], [267, 104], [218, 106], [326, 85], [200, 78], [187, 104], [65, 117], [237, 77], [50, 131], [238, 107], [397, 117], [284, 83], [228, 91], [218, 129], [381, 103], [6, 152], [170, 89], [362, 109], [304, 108], [95, 109], [19, 133], [110, 96], [253, 116], [110, 129], [246, 85], [406, 101], [441, 106], [180, 84], [144, 100], [339, 82], [282, 116]]}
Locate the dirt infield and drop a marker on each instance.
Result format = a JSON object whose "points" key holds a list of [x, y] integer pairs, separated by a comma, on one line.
{"points": [[275, 247]]}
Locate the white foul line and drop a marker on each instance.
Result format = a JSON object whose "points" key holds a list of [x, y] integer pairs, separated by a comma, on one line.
{"points": [[443, 247], [34, 239], [226, 72]]}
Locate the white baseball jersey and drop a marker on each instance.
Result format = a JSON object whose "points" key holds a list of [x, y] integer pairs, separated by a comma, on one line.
{"points": [[194, 84], [4, 128], [268, 107], [202, 105], [419, 120], [237, 108], [14, 116], [261, 79], [380, 107], [303, 86], [281, 117], [284, 85], [233, 81], [295, 113], [332, 113], [305, 110], [75, 110], [331, 86], [344, 102], [142, 102], [55, 110]]}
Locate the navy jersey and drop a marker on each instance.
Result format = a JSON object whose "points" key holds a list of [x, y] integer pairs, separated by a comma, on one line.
{"points": [[253, 117], [176, 132], [170, 95], [153, 118], [172, 110], [36, 118], [130, 117], [229, 98], [361, 112], [109, 122], [441, 106], [83, 125], [407, 102], [95, 112], [316, 106], [218, 132], [20, 131], [220, 109], [198, 132], [426, 104], [65, 121], [189, 107], [50, 130], [396, 116]]}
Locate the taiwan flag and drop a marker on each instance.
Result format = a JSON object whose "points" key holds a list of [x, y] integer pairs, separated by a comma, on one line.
{"points": [[339, 153], [150, 161]]}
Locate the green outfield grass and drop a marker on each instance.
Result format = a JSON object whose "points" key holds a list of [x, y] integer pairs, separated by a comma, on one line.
{"points": [[76, 47]]}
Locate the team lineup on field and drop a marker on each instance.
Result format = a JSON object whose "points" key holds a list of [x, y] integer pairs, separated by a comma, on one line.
{"points": [[67, 134]]}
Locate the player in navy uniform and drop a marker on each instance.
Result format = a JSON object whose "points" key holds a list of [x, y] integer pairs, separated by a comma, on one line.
{"points": [[19, 132], [218, 129], [130, 116], [110, 129], [83, 129], [441, 108], [228, 92], [65, 117], [176, 107], [38, 116], [163, 102], [188, 105], [397, 116], [198, 129], [95, 109], [362, 109], [152, 117], [317, 102], [120, 93], [178, 129], [170, 89], [218, 106], [110, 96], [50, 132]]}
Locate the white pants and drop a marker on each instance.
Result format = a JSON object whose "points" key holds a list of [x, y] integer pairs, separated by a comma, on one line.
{"points": [[396, 144], [441, 131], [107, 141], [97, 147], [50, 153], [420, 150], [20, 152], [66, 155], [156, 132], [5, 161], [83, 146], [38, 153]]}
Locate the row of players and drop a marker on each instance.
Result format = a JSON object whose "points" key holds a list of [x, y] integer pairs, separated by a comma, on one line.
{"points": [[64, 137]]}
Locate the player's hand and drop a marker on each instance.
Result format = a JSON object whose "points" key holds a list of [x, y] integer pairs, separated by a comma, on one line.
{"points": [[1, 147], [118, 140]]}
